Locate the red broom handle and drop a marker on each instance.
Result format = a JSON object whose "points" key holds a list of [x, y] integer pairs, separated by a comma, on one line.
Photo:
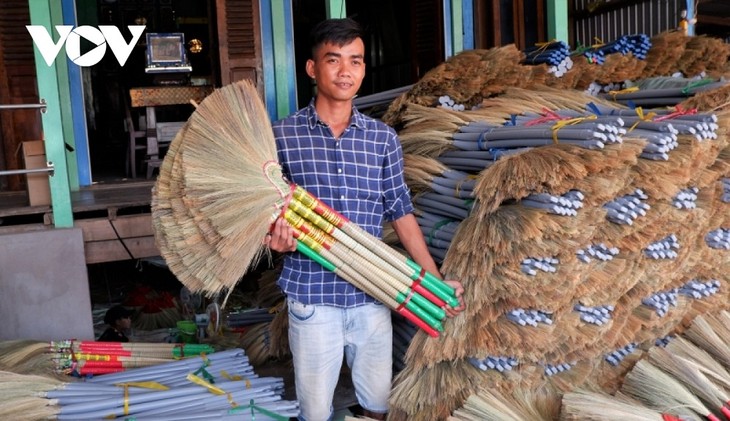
{"points": [[418, 322], [100, 370]]}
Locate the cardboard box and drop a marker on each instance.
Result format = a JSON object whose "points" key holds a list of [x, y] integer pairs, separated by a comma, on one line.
{"points": [[39, 188]]}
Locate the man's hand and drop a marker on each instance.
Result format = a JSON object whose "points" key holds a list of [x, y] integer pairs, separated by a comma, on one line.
{"points": [[458, 291], [281, 237]]}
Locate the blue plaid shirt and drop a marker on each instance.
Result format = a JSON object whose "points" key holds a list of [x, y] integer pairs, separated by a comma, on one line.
{"points": [[359, 175]]}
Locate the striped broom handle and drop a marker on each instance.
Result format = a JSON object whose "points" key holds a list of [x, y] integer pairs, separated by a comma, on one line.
{"points": [[415, 277], [373, 243], [400, 280], [304, 246], [342, 257]]}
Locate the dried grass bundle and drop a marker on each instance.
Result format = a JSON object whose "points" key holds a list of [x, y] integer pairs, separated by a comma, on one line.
{"points": [[667, 48], [703, 54], [662, 392], [595, 406], [618, 68], [20, 396], [582, 74], [710, 100], [420, 171], [493, 405], [413, 399], [700, 359], [715, 342], [547, 168], [21, 354], [691, 377]]}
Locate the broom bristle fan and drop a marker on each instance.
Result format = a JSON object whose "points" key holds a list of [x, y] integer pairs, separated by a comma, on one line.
{"points": [[221, 177]]}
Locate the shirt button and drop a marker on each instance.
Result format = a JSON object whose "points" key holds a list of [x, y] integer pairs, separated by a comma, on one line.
{"points": [[342, 197], [339, 171]]}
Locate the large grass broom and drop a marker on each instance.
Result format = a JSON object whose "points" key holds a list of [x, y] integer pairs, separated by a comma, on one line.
{"points": [[662, 392], [220, 188], [594, 406], [692, 378]]}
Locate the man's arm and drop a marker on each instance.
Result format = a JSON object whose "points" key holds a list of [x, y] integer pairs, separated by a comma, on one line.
{"points": [[409, 234]]}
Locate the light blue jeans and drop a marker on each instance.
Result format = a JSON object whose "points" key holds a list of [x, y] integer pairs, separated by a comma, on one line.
{"points": [[318, 335]]}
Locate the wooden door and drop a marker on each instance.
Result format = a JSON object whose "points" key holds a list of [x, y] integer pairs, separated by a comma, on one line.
{"points": [[239, 41], [427, 35], [17, 86]]}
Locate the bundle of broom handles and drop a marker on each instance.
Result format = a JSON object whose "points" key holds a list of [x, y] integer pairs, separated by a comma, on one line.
{"points": [[343, 247]]}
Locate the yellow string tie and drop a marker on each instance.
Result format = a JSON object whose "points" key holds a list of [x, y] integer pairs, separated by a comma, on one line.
{"points": [[642, 117], [200, 382], [231, 401], [568, 122], [623, 91], [598, 42], [92, 357], [235, 378], [542, 46], [145, 385]]}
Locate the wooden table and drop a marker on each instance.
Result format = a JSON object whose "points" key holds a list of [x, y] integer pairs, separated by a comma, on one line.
{"points": [[155, 96]]}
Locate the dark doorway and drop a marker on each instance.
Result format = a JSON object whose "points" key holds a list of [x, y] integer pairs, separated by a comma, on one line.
{"points": [[404, 41]]}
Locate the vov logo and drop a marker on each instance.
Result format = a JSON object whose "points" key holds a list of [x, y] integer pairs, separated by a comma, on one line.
{"points": [[101, 37]]}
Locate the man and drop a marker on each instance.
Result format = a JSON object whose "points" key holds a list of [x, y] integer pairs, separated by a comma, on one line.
{"points": [[354, 164]]}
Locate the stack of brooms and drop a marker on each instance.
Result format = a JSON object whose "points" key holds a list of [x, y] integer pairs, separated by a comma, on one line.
{"points": [[219, 190], [499, 233]]}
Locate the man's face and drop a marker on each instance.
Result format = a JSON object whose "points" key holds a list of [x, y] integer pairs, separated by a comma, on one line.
{"points": [[338, 70]]}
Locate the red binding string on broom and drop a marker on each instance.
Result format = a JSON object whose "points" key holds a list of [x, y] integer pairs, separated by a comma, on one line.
{"points": [[679, 112], [405, 301], [427, 294], [285, 205], [548, 116]]}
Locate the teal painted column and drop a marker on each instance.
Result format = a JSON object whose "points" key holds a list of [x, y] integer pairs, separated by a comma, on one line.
{"points": [[457, 27], [48, 91], [282, 39], [64, 92], [336, 9], [557, 20]]}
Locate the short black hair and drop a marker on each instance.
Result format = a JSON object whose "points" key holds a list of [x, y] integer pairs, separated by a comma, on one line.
{"points": [[335, 31]]}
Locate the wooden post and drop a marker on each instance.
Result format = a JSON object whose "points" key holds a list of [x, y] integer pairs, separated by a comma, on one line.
{"points": [[48, 90]]}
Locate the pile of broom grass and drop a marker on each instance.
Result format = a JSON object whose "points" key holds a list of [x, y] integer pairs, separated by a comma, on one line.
{"points": [[473, 76], [497, 235]]}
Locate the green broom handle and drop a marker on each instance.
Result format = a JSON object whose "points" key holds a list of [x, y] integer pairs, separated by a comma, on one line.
{"points": [[435, 285], [393, 278], [406, 311], [354, 275]]}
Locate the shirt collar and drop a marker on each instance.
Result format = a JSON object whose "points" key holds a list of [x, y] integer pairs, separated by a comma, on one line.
{"points": [[357, 119]]}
